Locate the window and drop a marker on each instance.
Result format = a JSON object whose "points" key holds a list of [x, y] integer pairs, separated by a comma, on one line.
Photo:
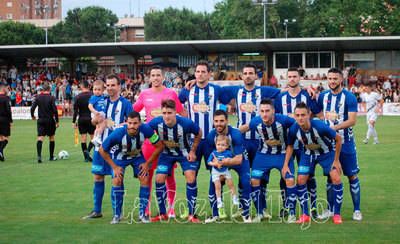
{"points": [[325, 60], [139, 34], [9, 4], [295, 60], [281, 60], [9, 16], [312, 60]]}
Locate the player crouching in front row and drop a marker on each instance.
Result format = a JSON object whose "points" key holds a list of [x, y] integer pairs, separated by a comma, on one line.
{"points": [[322, 145]]}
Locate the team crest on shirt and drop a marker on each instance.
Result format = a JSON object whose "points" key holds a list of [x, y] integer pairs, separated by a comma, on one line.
{"points": [[201, 107], [313, 146], [248, 107], [171, 144], [156, 112], [332, 116], [273, 142], [134, 153]]}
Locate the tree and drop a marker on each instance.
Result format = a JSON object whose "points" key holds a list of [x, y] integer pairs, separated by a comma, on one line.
{"points": [[90, 24], [175, 24], [15, 33]]}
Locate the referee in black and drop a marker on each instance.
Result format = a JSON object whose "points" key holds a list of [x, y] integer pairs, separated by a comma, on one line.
{"points": [[84, 125], [5, 119], [48, 120]]}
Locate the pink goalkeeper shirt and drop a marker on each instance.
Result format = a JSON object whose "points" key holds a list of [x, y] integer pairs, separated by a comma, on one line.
{"points": [[151, 102]]}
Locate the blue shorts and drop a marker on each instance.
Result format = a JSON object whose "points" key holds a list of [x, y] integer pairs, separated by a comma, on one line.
{"points": [[135, 162], [203, 150], [99, 166], [349, 163], [263, 163], [166, 163], [307, 163], [251, 147]]}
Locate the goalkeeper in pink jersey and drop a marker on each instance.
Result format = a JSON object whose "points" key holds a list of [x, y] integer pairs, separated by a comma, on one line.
{"points": [[150, 99]]}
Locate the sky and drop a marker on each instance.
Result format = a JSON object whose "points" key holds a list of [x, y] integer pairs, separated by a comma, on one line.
{"points": [[139, 7]]}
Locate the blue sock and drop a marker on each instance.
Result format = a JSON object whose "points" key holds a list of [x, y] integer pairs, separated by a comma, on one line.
{"points": [[213, 199], [355, 191], [338, 196], [144, 193], [263, 197], [329, 194], [161, 192], [256, 197], [191, 196], [312, 189], [291, 199], [117, 199], [98, 193], [282, 186], [246, 200], [302, 195]]}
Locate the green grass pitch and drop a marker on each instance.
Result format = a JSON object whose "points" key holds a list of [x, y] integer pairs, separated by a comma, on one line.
{"points": [[45, 203]]}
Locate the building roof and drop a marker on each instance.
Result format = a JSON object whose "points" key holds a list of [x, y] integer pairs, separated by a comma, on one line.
{"points": [[131, 22], [174, 48]]}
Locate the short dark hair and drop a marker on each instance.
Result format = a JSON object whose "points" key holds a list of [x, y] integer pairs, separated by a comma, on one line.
{"points": [[84, 84], [203, 63], [301, 105], [46, 86], [134, 114], [267, 101], [156, 67], [335, 71], [113, 76], [219, 112], [293, 69], [250, 66], [168, 103]]}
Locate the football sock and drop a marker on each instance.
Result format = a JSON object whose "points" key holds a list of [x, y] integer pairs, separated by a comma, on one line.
{"points": [[39, 148], [191, 196], [91, 145], [255, 196], [302, 195], [282, 185], [329, 194], [144, 193], [338, 196], [83, 146], [117, 199], [312, 189], [52, 145], [171, 187], [98, 193], [212, 198], [355, 191], [161, 192], [291, 199], [263, 197]]}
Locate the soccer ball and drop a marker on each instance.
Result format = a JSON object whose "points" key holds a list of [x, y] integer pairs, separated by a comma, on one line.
{"points": [[63, 154]]}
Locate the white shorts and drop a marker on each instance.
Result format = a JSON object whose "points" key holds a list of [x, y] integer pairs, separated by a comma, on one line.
{"points": [[371, 116], [215, 174], [92, 115]]}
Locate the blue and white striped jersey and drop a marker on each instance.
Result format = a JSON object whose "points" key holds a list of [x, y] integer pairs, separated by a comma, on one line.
{"points": [[285, 103], [336, 108], [273, 137], [116, 114], [248, 102], [202, 103], [125, 147], [318, 140], [177, 138]]}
